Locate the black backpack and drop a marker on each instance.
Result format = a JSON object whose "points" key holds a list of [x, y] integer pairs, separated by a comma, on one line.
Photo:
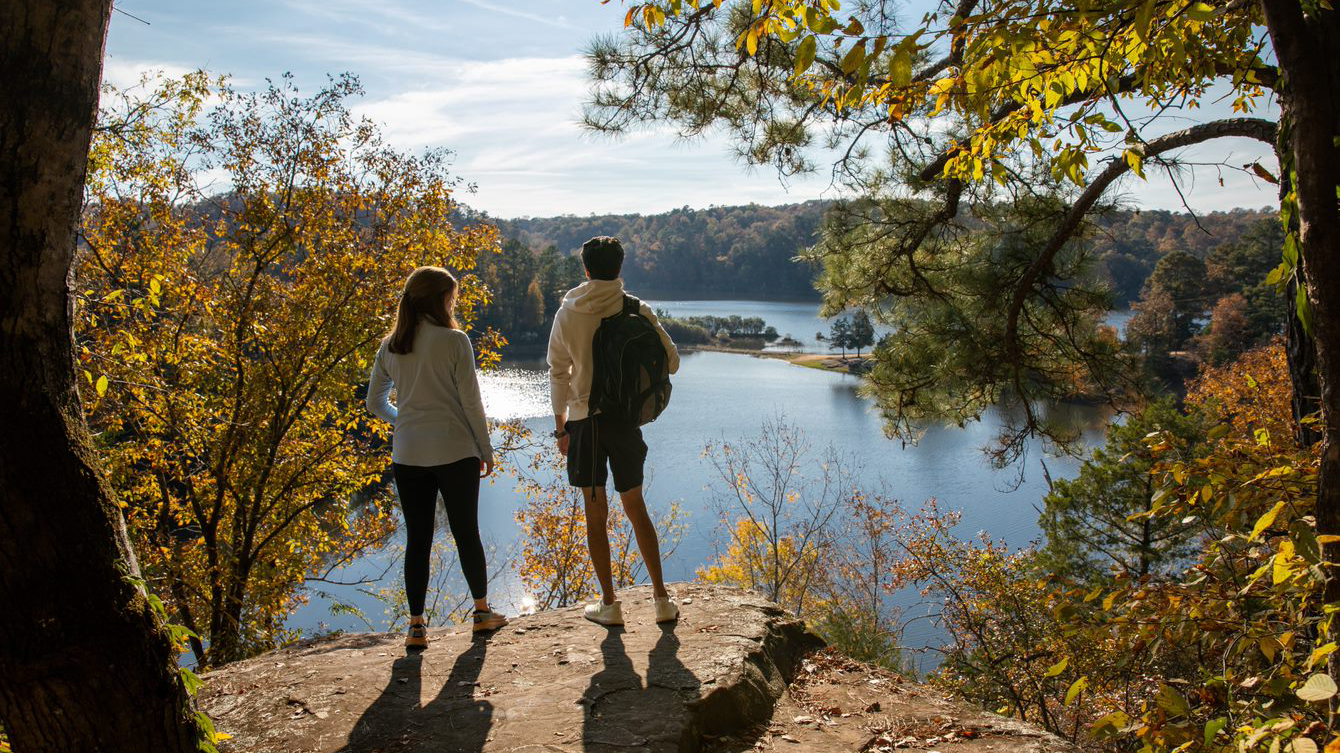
{"points": [[630, 380]]}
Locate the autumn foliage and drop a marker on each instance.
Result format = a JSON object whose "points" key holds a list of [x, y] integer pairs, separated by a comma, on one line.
{"points": [[241, 255], [1228, 653]]}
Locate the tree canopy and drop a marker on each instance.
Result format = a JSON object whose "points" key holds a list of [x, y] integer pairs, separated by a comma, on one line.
{"points": [[1006, 116]]}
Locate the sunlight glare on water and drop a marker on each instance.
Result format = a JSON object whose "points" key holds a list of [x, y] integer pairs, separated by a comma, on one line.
{"points": [[515, 394]]}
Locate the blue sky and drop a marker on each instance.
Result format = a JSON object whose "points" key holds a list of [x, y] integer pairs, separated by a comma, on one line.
{"points": [[501, 83]]}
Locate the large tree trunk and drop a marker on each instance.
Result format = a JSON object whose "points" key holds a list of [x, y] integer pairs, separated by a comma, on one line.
{"points": [[1306, 47], [84, 664]]}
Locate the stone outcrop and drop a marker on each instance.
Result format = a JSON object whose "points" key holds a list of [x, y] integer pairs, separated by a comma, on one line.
{"points": [[716, 680]]}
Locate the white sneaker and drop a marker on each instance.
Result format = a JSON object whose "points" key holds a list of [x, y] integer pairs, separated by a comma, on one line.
{"points": [[605, 614], [666, 610]]}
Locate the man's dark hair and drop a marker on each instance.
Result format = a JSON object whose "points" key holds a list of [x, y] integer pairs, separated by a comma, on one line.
{"points": [[603, 257]]}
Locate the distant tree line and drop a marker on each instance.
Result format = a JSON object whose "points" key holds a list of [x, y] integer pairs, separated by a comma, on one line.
{"points": [[526, 288], [749, 251], [744, 251]]}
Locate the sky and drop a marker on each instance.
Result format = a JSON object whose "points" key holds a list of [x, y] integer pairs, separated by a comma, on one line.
{"points": [[501, 84]]}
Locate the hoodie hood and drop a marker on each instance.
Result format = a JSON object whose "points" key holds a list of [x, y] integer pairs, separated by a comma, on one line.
{"points": [[599, 297]]}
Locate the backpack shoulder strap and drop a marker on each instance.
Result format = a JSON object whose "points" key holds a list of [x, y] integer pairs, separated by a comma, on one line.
{"points": [[631, 305]]}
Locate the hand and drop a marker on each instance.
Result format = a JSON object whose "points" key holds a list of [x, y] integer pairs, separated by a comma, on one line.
{"points": [[563, 444], [485, 468]]}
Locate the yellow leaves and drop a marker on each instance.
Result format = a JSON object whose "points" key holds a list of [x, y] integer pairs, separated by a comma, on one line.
{"points": [[101, 385], [1319, 654], [939, 92], [1135, 159], [1283, 565], [1201, 12], [1077, 687], [1057, 668], [1266, 520]]}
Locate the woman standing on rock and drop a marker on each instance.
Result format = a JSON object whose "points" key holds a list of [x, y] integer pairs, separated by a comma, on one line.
{"points": [[441, 440]]}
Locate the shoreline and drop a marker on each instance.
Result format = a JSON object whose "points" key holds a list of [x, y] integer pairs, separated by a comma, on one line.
{"points": [[833, 362]]}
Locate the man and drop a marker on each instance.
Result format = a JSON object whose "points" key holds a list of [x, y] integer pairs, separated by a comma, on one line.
{"points": [[590, 442]]}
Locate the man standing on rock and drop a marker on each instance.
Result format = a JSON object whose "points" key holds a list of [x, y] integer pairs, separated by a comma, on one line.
{"points": [[600, 442]]}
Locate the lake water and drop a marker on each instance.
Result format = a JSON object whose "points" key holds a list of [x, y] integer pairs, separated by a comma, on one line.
{"points": [[720, 395], [799, 321]]}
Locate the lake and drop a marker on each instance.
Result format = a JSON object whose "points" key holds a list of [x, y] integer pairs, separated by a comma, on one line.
{"points": [[799, 320], [722, 395]]}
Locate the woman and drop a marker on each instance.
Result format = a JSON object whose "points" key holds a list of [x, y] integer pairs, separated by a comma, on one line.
{"points": [[441, 441]]}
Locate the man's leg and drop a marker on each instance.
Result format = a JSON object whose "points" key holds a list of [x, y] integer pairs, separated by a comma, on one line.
{"points": [[635, 507], [597, 539]]}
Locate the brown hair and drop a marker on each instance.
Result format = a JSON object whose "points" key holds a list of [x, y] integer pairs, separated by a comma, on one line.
{"points": [[424, 297]]}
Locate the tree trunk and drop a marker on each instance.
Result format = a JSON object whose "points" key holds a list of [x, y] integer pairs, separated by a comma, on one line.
{"points": [[1310, 99], [84, 664]]}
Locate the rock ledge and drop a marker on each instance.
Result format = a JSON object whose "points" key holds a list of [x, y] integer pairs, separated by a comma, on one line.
{"points": [[736, 673], [547, 682]]}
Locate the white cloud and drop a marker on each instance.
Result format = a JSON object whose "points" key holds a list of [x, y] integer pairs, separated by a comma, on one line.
{"points": [[124, 73], [513, 124], [500, 83]]}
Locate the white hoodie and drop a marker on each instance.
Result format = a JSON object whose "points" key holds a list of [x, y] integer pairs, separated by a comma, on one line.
{"points": [[575, 325]]}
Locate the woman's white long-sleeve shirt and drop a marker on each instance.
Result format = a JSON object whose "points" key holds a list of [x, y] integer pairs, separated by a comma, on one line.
{"points": [[438, 414]]}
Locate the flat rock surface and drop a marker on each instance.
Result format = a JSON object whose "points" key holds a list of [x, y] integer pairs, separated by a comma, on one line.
{"points": [[547, 682]]}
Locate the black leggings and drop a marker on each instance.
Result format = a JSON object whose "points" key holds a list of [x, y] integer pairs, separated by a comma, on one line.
{"points": [[418, 486]]}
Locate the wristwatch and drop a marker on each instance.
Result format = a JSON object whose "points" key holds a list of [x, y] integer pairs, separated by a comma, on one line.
{"points": [[558, 433]]}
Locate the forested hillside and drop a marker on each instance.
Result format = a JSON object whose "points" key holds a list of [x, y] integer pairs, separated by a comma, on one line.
{"points": [[748, 251]]}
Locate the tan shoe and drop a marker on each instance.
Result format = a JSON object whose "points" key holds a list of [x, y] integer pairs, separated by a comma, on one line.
{"points": [[418, 636], [488, 620]]}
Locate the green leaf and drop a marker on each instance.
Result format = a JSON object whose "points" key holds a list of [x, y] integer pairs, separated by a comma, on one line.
{"points": [[1172, 702], [854, 58], [1265, 521], [1200, 12], [1318, 687], [1057, 668], [1111, 724], [1304, 309], [1212, 728], [900, 68], [805, 54], [1076, 688], [191, 681], [1305, 542]]}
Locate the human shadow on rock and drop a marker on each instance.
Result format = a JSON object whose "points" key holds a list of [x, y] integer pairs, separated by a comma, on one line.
{"points": [[620, 712], [453, 722], [388, 719], [459, 719]]}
